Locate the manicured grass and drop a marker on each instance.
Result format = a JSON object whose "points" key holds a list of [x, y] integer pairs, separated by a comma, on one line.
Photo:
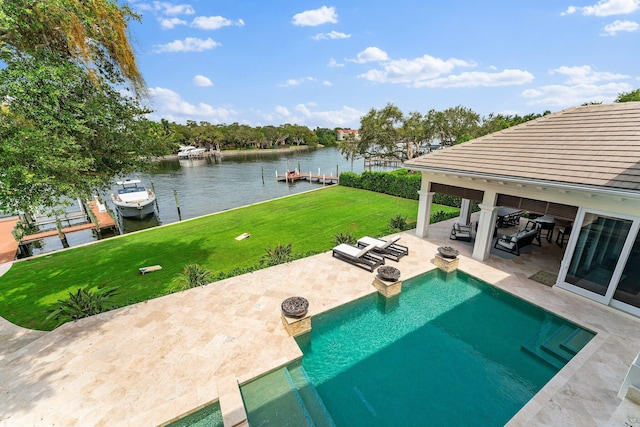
{"points": [[309, 221]]}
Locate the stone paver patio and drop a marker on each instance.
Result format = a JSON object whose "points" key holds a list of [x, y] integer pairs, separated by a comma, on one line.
{"points": [[152, 362]]}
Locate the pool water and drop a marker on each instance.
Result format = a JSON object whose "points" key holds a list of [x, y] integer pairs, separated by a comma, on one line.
{"points": [[209, 416], [449, 350]]}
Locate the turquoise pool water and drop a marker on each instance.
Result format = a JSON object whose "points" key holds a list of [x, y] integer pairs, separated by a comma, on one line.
{"points": [[449, 350], [209, 416]]}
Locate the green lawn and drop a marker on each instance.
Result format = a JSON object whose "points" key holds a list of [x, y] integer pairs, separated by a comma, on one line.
{"points": [[309, 221]]}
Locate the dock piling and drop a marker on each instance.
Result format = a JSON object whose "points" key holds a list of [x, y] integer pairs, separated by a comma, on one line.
{"points": [[175, 195]]}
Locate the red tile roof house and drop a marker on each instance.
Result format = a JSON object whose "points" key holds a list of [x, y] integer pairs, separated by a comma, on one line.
{"points": [[580, 166]]}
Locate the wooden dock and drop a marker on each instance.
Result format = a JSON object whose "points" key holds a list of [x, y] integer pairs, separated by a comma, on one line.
{"points": [[292, 176], [8, 243], [99, 221]]}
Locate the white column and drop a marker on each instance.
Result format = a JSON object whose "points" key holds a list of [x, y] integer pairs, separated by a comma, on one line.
{"points": [[486, 226], [465, 212], [424, 209]]}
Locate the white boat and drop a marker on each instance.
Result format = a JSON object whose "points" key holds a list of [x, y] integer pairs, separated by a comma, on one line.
{"points": [[132, 200], [187, 151]]}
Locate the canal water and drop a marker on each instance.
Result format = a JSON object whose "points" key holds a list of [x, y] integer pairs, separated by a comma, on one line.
{"points": [[204, 186]]}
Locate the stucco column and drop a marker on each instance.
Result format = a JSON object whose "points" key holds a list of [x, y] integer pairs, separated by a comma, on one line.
{"points": [[486, 226], [465, 211], [424, 209]]}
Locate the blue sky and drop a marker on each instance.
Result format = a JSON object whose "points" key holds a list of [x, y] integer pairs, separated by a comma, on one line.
{"points": [[328, 63]]}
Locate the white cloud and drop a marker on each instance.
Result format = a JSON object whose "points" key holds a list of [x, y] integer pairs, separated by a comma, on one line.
{"points": [[561, 95], [296, 82], [477, 78], [606, 8], [415, 70], [166, 8], [617, 26], [169, 105], [170, 23], [189, 44], [327, 83], [581, 85], [201, 80], [282, 111], [333, 35], [334, 63], [585, 75], [214, 22], [371, 54], [343, 117], [312, 18]]}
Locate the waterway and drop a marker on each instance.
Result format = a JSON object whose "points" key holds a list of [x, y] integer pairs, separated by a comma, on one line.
{"points": [[206, 185]]}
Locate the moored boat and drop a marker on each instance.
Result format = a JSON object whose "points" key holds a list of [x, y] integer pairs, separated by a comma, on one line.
{"points": [[133, 200], [189, 151]]}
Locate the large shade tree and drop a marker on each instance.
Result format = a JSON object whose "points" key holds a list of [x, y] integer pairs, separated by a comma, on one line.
{"points": [[67, 124]]}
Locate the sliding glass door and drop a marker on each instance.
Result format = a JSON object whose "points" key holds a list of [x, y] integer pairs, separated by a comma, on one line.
{"points": [[599, 265], [628, 290]]}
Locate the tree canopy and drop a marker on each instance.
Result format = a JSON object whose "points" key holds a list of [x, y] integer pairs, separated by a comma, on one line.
{"points": [[66, 129], [634, 95], [92, 33]]}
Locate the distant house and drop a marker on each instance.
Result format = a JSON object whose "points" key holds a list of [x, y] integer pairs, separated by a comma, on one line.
{"points": [[580, 166], [342, 133]]}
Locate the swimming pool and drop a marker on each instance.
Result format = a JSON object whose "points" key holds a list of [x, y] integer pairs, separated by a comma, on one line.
{"points": [[449, 350]]}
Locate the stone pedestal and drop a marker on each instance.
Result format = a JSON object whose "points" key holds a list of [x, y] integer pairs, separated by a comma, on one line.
{"points": [[446, 264], [296, 327], [387, 288]]}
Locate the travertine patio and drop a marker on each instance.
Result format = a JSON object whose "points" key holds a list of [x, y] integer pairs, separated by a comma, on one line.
{"points": [[152, 362]]}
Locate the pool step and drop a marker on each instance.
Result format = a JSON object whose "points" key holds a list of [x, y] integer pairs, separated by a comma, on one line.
{"points": [[557, 345], [577, 340], [553, 344], [311, 400], [285, 397], [270, 401]]}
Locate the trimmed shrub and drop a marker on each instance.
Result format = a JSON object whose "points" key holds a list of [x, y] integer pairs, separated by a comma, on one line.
{"points": [[398, 222], [400, 183], [278, 255], [82, 303], [344, 238], [192, 276]]}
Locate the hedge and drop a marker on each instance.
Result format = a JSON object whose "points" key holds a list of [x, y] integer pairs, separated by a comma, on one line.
{"points": [[399, 183]]}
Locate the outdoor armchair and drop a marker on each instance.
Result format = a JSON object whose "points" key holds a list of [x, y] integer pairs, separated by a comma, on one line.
{"points": [[461, 232]]}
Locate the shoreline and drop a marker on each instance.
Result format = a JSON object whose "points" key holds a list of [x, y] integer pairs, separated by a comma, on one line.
{"points": [[237, 153]]}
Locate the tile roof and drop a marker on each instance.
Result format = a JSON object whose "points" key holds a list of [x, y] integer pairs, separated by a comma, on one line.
{"points": [[594, 145]]}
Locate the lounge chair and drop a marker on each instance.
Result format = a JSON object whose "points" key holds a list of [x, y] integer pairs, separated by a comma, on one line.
{"points": [[358, 256], [461, 232], [387, 248]]}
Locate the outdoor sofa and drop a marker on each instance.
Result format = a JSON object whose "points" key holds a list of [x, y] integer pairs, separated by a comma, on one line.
{"points": [[360, 257], [516, 241], [386, 248]]}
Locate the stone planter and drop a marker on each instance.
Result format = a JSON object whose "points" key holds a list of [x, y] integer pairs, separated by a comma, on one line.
{"points": [[448, 252], [388, 273], [295, 307]]}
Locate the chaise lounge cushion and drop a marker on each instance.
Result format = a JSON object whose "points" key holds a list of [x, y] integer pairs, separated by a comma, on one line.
{"points": [[387, 248]]}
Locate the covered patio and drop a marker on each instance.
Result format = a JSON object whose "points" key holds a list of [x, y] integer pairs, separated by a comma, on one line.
{"points": [[579, 168]]}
